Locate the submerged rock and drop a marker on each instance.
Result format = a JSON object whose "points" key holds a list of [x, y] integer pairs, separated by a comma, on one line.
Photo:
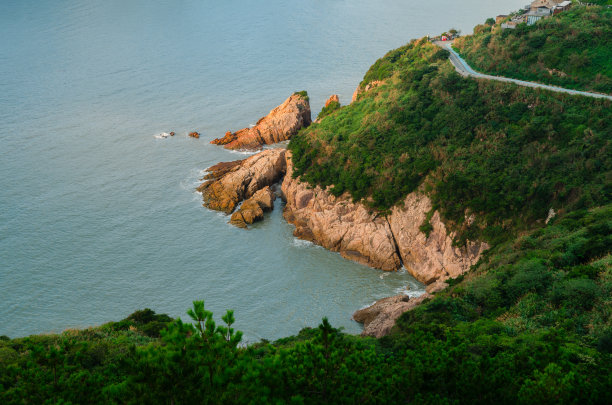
{"points": [[252, 210], [379, 318], [279, 125], [229, 183]]}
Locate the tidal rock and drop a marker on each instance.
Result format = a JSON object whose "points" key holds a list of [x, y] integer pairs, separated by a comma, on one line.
{"points": [[172, 133], [279, 125], [253, 209], [194, 135], [379, 318], [338, 224], [229, 183]]}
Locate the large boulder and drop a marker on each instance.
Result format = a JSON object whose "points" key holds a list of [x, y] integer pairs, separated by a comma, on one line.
{"points": [[229, 183], [279, 125]]}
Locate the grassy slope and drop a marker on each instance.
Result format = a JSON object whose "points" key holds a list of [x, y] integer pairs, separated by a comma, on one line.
{"points": [[572, 49]]}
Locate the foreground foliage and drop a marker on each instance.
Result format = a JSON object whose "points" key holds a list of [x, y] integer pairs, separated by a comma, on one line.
{"points": [[572, 49], [531, 324]]}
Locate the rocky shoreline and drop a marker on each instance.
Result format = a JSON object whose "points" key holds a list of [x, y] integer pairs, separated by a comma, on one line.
{"points": [[243, 188]]}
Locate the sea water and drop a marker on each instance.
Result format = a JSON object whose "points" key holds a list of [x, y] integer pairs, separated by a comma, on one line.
{"points": [[98, 217]]}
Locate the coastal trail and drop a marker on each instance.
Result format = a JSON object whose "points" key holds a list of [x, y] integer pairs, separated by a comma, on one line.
{"points": [[465, 70]]}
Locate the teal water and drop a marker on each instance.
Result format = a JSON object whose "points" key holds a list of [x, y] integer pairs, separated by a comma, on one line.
{"points": [[99, 218]]}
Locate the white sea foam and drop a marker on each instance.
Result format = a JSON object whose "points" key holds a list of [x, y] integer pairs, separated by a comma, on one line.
{"points": [[163, 135], [301, 243]]}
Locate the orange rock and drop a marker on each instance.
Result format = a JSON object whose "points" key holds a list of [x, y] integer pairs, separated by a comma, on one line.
{"points": [[279, 125], [331, 99], [232, 182], [194, 134]]}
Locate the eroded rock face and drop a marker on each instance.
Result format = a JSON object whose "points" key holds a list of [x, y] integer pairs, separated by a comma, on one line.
{"points": [[253, 209], [229, 183], [379, 318], [429, 258], [338, 224], [279, 125]]}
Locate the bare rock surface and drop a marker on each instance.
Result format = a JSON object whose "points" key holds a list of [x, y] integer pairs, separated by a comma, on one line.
{"points": [[433, 257], [229, 183], [253, 209], [379, 318], [338, 224], [279, 125]]}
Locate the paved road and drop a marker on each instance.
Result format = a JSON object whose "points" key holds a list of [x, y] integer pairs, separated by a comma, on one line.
{"points": [[464, 69]]}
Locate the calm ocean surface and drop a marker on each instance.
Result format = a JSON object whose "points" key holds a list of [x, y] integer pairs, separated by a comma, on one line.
{"points": [[98, 218]]}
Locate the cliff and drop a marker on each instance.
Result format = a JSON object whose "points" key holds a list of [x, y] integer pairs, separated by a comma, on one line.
{"points": [[387, 243], [279, 125]]}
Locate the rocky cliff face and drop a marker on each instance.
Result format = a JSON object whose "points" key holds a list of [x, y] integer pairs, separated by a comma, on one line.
{"points": [[338, 224], [279, 125], [386, 243], [229, 183]]}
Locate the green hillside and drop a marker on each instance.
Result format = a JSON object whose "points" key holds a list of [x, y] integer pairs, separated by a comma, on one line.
{"points": [[505, 153], [572, 49]]}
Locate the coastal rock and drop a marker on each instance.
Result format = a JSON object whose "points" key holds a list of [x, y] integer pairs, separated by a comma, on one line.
{"points": [[433, 257], [279, 125], [379, 318], [253, 209], [331, 99], [194, 134], [338, 224], [229, 183]]}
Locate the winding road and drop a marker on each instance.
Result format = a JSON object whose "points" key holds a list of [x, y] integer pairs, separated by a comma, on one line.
{"points": [[464, 69]]}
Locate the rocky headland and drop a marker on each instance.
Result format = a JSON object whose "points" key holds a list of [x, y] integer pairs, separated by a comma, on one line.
{"points": [[244, 188], [279, 125]]}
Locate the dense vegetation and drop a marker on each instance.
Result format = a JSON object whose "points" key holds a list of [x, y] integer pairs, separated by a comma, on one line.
{"points": [[530, 323], [504, 152], [572, 49]]}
